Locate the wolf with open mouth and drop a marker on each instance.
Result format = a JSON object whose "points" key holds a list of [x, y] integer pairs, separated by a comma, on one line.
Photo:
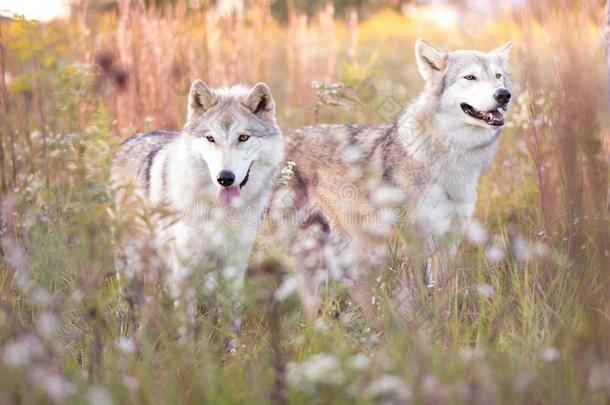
{"points": [[430, 157]]}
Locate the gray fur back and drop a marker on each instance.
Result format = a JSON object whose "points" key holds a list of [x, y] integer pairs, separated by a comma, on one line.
{"points": [[134, 159]]}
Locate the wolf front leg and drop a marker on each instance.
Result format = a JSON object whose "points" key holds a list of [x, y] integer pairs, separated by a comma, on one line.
{"points": [[184, 295], [430, 248], [235, 292], [444, 258]]}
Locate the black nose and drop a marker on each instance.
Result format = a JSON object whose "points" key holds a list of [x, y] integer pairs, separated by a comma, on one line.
{"points": [[502, 96], [225, 178]]}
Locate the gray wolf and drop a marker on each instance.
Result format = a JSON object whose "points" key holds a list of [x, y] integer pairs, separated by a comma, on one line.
{"points": [[202, 190], [428, 160]]}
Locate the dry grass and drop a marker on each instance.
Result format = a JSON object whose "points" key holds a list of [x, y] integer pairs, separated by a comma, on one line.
{"points": [[525, 316]]}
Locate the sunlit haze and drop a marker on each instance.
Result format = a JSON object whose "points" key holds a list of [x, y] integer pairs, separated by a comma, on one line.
{"points": [[41, 10]]}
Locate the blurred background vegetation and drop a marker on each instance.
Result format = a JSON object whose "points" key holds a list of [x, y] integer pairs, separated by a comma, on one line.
{"points": [[524, 317]]}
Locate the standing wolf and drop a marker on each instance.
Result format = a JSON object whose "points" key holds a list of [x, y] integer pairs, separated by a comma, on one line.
{"points": [[203, 189], [429, 159]]}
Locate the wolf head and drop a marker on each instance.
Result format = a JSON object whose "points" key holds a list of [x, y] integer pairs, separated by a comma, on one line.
{"points": [[234, 131], [473, 88]]}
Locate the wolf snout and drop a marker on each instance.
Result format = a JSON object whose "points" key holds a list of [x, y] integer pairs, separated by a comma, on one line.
{"points": [[225, 178], [502, 96]]}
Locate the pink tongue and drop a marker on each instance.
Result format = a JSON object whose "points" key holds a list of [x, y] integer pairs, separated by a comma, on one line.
{"points": [[227, 194]]}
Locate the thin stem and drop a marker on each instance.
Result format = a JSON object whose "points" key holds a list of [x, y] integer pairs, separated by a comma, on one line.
{"points": [[6, 120]]}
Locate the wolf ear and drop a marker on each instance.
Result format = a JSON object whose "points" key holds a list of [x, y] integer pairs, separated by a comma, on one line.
{"points": [[200, 99], [260, 102], [430, 60], [503, 52]]}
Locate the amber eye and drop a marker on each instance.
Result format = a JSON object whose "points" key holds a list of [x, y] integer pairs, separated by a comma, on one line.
{"points": [[243, 138], [470, 77], [210, 139], [498, 75]]}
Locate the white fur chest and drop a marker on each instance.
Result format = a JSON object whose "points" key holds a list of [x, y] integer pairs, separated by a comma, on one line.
{"points": [[221, 240], [443, 202], [449, 199]]}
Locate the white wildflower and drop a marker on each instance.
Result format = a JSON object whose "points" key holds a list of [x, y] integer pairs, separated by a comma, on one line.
{"points": [[475, 232], [47, 324], [285, 174], [485, 290], [320, 326], [230, 272], [550, 354], [210, 283], [494, 254], [98, 396], [286, 289], [130, 382], [370, 340], [27, 221], [309, 243], [126, 345], [389, 386], [21, 352], [433, 389], [77, 297], [53, 384], [599, 377], [539, 249], [42, 297], [471, 353], [387, 195], [319, 369], [348, 319], [360, 361], [525, 250], [16, 257], [521, 249]]}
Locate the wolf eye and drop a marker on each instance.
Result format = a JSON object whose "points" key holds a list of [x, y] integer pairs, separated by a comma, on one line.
{"points": [[210, 139], [243, 138], [498, 75], [470, 77]]}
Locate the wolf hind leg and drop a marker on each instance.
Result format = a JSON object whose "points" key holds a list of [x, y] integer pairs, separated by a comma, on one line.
{"points": [[130, 268], [428, 272]]}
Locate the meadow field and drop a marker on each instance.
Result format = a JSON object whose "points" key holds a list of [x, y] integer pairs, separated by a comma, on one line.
{"points": [[523, 315]]}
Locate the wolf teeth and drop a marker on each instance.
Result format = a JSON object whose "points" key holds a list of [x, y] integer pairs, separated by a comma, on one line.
{"points": [[490, 117]]}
